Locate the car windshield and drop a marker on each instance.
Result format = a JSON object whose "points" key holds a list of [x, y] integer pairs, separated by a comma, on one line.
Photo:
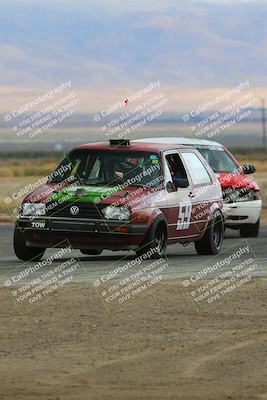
{"points": [[218, 159], [109, 167]]}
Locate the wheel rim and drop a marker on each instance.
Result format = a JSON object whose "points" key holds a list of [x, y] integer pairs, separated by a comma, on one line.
{"points": [[161, 239], [217, 233]]}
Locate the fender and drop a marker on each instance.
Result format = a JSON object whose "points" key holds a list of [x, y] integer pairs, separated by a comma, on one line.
{"points": [[156, 215], [214, 208]]}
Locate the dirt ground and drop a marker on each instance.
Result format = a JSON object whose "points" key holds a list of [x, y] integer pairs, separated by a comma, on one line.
{"points": [[158, 347]]}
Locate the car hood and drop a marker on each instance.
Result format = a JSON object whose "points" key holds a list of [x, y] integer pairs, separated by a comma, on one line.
{"points": [[237, 181], [90, 194]]}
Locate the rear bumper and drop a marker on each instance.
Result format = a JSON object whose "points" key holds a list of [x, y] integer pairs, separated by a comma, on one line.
{"points": [[247, 212], [82, 233]]}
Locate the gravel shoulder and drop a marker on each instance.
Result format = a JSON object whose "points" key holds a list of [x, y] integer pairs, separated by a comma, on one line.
{"points": [[158, 347]]}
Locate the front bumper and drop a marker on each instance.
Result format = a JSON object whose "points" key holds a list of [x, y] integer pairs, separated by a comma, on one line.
{"points": [[239, 213], [82, 233]]}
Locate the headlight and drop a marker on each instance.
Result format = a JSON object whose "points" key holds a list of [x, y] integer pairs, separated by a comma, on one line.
{"points": [[32, 209], [113, 212]]}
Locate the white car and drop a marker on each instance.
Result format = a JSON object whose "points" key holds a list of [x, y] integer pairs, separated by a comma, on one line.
{"points": [[242, 200]]}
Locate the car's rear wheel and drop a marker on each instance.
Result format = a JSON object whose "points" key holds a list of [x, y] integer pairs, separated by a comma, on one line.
{"points": [[155, 242], [250, 230], [24, 252], [91, 252], [212, 240]]}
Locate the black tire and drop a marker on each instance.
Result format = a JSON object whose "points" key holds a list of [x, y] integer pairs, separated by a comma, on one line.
{"points": [[250, 230], [212, 240], [156, 239], [24, 252], [91, 252]]}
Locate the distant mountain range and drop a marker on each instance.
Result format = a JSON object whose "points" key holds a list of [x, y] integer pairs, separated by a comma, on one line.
{"points": [[81, 128], [86, 120], [104, 44]]}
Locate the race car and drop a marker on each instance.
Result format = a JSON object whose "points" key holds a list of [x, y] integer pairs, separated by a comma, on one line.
{"points": [[119, 195], [241, 193]]}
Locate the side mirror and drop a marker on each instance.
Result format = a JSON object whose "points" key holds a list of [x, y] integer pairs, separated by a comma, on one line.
{"points": [[170, 187], [180, 182], [248, 169]]}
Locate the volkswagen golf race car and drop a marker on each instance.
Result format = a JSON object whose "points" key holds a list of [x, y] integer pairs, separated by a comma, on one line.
{"points": [[120, 195], [241, 193]]}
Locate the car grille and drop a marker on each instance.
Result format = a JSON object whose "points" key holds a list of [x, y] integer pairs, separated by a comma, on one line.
{"points": [[85, 210]]}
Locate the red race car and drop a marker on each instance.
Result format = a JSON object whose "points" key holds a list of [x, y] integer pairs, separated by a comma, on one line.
{"points": [[124, 196]]}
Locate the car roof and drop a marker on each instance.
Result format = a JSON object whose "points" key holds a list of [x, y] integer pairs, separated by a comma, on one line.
{"points": [[134, 146], [179, 141]]}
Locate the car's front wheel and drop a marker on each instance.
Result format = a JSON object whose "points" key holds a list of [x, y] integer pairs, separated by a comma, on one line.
{"points": [[155, 242], [212, 240], [250, 230], [24, 252]]}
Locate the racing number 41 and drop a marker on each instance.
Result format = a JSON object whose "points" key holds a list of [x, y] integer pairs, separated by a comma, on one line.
{"points": [[184, 217]]}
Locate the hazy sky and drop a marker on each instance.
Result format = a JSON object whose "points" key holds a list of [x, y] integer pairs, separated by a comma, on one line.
{"points": [[110, 48]]}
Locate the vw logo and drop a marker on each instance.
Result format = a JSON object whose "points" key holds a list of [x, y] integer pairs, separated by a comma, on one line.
{"points": [[74, 210]]}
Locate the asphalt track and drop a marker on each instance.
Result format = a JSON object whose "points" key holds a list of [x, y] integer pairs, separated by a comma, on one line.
{"points": [[183, 262]]}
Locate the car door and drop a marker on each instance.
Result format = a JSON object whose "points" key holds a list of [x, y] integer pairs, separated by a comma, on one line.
{"points": [[203, 188], [180, 205]]}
